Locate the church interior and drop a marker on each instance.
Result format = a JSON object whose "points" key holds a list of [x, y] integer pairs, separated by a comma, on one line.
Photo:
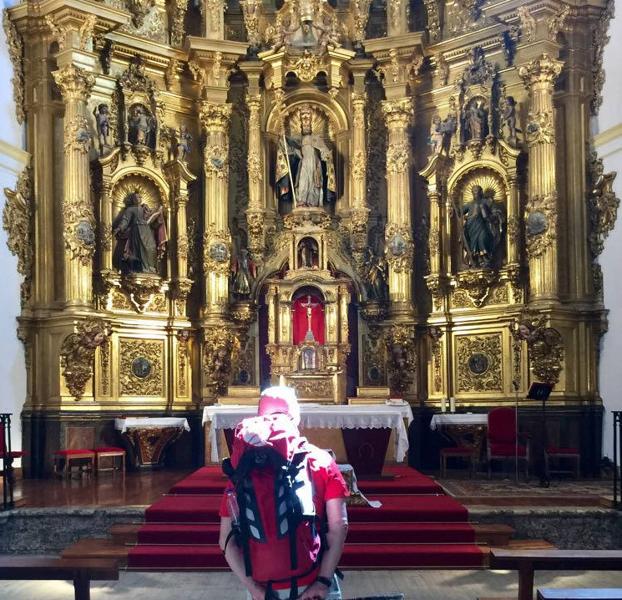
{"points": [[404, 210]]}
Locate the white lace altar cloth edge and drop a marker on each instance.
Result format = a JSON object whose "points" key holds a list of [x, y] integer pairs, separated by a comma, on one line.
{"points": [[370, 416], [438, 420], [123, 425]]}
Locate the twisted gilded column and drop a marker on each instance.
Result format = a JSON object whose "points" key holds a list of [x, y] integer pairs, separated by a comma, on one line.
{"points": [[541, 219], [398, 114], [75, 84], [255, 211], [216, 237]]}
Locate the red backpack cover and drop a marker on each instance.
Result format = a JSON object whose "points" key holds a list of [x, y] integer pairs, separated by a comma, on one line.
{"points": [[277, 527]]}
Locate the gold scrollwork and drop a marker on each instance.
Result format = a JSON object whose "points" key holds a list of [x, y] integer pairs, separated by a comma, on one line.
{"points": [[17, 222], [220, 349], [402, 359], [15, 45], [399, 248], [77, 354], [541, 223], [540, 129], [479, 363], [603, 204], [398, 157], [216, 251], [140, 368]]}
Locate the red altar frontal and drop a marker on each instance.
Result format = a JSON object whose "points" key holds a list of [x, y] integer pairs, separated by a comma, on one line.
{"points": [[367, 437]]}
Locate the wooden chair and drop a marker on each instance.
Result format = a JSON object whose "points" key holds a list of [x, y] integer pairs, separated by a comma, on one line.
{"points": [[458, 452], [557, 453], [78, 452], [7, 456], [503, 439]]}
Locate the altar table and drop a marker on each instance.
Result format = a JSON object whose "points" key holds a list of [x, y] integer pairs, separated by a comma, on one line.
{"points": [[466, 430], [458, 419], [364, 428], [148, 437]]}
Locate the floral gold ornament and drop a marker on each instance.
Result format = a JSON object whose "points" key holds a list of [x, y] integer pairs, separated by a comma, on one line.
{"points": [[15, 45], [77, 354], [140, 368], [479, 367]]}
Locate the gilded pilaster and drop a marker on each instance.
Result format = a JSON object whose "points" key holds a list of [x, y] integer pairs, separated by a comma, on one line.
{"points": [[217, 238], [398, 238], [539, 76], [76, 84]]}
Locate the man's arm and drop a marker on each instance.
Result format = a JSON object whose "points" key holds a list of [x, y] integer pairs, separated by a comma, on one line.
{"points": [[235, 560], [337, 517]]}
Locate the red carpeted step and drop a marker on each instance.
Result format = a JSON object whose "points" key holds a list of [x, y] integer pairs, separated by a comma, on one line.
{"points": [[359, 533], [176, 557], [411, 556], [410, 508], [410, 533], [373, 556], [184, 508], [178, 533], [190, 508]]}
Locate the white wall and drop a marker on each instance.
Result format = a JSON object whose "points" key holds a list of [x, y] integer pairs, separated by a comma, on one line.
{"points": [[12, 161], [608, 142]]}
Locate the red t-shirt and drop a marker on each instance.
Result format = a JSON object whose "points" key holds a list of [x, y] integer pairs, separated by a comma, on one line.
{"points": [[328, 484]]}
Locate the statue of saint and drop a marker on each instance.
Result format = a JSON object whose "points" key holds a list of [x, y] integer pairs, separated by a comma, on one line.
{"points": [[508, 120], [141, 126], [482, 228], [102, 121], [243, 274], [376, 276], [141, 236], [308, 164], [476, 118]]}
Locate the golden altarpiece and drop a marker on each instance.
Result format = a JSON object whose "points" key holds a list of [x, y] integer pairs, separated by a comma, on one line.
{"points": [[362, 199]]}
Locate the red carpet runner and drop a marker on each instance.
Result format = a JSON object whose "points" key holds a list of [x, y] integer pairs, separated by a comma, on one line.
{"points": [[417, 526]]}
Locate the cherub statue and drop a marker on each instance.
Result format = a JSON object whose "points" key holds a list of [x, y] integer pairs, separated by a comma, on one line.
{"points": [[184, 146]]}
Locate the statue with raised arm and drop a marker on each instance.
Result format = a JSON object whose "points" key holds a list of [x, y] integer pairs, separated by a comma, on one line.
{"points": [[308, 167]]}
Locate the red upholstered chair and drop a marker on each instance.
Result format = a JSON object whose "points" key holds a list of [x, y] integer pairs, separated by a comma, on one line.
{"points": [[557, 453], [503, 441], [78, 452]]}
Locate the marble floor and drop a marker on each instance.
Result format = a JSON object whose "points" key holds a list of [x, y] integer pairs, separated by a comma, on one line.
{"points": [[415, 585]]}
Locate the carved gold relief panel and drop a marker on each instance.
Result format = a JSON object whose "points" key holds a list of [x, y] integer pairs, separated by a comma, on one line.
{"points": [[479, 363], [141, 370]]}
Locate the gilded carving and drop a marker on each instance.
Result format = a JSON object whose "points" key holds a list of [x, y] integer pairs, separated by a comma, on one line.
{"points": [[543, 69], [436, 335], [398, 157], [434, 19], [312, 388], [104, 366], [360, 12], [183, 357], [77, 135], [479, 366], [545, 344], [541, 223], [15, 45], [179, 8], [398, 113], [220, 349], [251, 10], [540, 128], [141, 371], [557, 23], [402, 359], [602, 204], [527, 23], [600, 38], [77, 354], [399, 248], [17, 221], [216, 251]]}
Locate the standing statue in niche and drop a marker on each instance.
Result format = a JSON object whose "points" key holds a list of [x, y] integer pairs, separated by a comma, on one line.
{"points": [[243, 274], [102, 122], [308, 254], [476, 121], [141, 236], [483, 222], [376, 276], [184, 145], [508, 120], [141, 126], [305, 169]]}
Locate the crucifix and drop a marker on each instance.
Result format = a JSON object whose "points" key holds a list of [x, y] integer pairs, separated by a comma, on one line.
{"points": [[309, 306]]}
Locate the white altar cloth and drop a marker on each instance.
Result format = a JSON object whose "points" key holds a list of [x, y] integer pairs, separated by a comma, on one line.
{"points": [[444, 419], [123, 425], [320, 416]]}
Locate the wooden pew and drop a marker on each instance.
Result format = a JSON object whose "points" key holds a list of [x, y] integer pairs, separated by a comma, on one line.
{"points": [[528, 561], [81, 571]]}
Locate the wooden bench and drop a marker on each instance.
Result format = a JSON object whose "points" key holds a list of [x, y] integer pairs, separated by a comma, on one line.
{"points": [[528, 561], [80, 571], [580, 594]]}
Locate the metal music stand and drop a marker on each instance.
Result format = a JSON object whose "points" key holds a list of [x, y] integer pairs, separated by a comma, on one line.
{"points": [[542, 391]]}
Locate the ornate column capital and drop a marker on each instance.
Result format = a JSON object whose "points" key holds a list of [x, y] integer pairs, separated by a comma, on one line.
{"points": [[214, 116], [398, 113], [74, 82], [543, 69]]}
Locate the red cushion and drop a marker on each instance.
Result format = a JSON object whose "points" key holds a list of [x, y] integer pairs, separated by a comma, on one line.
{"points": [[457, 450], [108, 449], [502, 426], [507, 450], [555, 450], [73, 451]]}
